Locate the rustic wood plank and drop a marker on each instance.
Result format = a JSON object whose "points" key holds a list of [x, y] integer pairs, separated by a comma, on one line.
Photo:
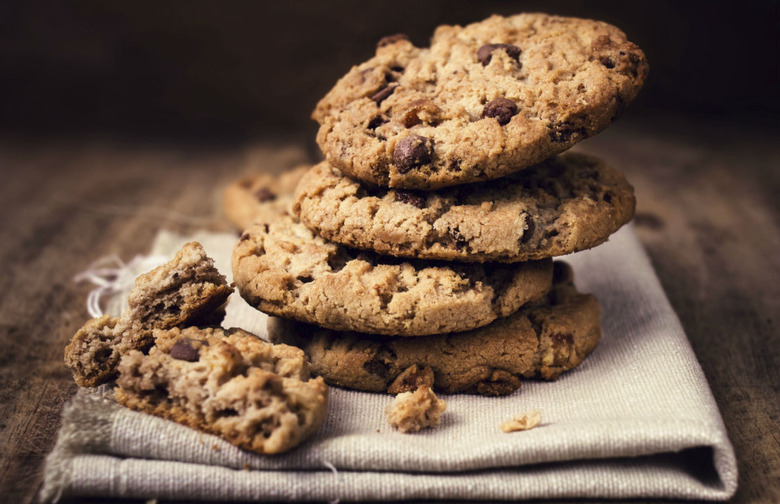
{"points": [[708, 216]]}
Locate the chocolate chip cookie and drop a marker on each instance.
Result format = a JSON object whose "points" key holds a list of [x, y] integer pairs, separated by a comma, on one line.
{"points": [[565, 204], [284, 269], [542, 340], [482, 101], [260, 196], [256, 395]]}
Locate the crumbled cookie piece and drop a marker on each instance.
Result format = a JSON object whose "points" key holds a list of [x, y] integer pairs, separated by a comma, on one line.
{"points": [[524, 421], [186, 291], [412, 411], [255, 395]]}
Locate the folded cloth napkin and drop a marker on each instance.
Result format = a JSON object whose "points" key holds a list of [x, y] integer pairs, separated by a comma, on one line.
{"points": [[636, 419]]}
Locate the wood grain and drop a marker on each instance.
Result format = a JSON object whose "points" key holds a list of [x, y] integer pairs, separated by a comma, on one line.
{"points": [[708, 214]]}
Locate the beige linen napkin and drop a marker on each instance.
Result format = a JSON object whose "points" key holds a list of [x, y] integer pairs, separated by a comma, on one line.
{"points": [[636, 419]]}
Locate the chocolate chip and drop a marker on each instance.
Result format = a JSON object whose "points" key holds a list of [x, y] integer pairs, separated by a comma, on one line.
{"points": [[376, 122], [244, 236], [264, 194], [383, 93], [453, 239], [562, 339], [391, 39], [502, 109], [413, 151], [376, 367], [410, 198], [607, 62], [183, 350], [485, 53]]}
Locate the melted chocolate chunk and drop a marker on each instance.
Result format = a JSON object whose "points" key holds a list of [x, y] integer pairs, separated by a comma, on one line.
{"points": [[183, 350], [376, 122], [485, 53], [502, 109], [410, 198], [377, 367], [412, 152], [383, 93]]}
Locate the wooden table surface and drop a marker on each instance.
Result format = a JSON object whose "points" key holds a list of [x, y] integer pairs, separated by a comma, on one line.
{"points": [[708, 213]]}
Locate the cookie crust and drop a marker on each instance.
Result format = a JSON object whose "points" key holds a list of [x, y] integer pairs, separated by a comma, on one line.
{"points": [[284, 269], [542, 340], [482, 101], [562, 205]]}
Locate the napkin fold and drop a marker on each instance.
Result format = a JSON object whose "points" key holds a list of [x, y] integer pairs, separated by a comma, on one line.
{"points": [[636, 419]]}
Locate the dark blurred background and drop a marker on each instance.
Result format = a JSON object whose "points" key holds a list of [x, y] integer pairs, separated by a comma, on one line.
{"points": [[238, 69]]}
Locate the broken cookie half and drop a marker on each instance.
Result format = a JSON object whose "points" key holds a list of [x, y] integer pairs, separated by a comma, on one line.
{"points": [[186, 291], [170, 359], [255, 395]]}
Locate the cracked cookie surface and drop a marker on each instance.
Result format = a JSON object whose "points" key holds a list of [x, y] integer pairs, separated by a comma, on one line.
{"points": [[260, 196], [481, 102], [255, 395], [541, 340], [284, 269], [565, 204]]}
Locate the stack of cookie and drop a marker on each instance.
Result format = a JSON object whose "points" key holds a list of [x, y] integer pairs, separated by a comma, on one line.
{"points": [[420, 251]]}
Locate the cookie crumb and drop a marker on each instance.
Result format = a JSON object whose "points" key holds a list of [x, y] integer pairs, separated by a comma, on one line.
{"points": [[523, 421], [247, 467], [412, 411]]}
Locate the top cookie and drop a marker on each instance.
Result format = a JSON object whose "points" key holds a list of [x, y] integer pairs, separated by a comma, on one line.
{"points": [[483, 101]]}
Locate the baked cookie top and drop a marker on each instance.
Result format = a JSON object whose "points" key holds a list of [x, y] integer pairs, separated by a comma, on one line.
{"points": [[542, 339], [260, 196], [482, 101], [284, 269], [565, 204]]}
